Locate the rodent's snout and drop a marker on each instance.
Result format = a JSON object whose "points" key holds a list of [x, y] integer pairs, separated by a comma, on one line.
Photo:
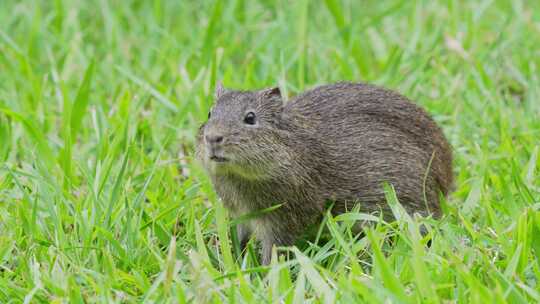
{"points": [[213, 135], [213, 139]]}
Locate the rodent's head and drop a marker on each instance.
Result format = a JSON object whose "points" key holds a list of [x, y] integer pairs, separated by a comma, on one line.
{"points": [[241, 135]]}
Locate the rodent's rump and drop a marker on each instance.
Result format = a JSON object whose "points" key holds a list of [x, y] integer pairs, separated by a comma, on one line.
{"points": [[336, 142]]}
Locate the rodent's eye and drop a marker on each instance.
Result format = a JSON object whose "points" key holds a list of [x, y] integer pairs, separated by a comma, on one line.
{"points": [[250, 118]]}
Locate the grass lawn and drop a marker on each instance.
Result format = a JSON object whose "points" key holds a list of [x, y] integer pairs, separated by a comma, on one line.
{"points": [[100, 101]]}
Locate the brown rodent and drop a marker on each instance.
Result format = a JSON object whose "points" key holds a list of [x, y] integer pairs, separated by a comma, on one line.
{"points": [[337, 142]]}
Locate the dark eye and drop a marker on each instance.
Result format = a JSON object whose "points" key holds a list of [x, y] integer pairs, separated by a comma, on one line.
{"points": [[250, 118], [209, 114]]}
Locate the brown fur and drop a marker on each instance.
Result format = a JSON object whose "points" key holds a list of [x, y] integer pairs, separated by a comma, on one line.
{"points": [[336, 142]]}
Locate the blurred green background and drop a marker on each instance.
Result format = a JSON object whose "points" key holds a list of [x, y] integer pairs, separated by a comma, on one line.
{"points": [[100, 200]]}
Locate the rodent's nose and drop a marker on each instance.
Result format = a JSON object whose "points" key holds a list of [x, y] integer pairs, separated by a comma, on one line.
{"points": [[214, 139]]}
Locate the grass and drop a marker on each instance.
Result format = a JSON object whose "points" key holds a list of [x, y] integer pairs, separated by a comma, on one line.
{"points": [[100, 102]]}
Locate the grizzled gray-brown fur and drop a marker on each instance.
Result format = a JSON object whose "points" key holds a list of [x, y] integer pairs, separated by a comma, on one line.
{"points": [[337, 142]]}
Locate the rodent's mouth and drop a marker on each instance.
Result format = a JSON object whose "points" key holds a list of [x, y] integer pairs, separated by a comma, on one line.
{"points": [[216, 154]]}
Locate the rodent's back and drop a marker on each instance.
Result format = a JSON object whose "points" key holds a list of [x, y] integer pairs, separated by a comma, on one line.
{"points": [[370, 135]]}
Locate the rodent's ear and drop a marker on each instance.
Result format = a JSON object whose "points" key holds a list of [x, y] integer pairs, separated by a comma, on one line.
{"points": [[220, 90], [271, 93]]}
